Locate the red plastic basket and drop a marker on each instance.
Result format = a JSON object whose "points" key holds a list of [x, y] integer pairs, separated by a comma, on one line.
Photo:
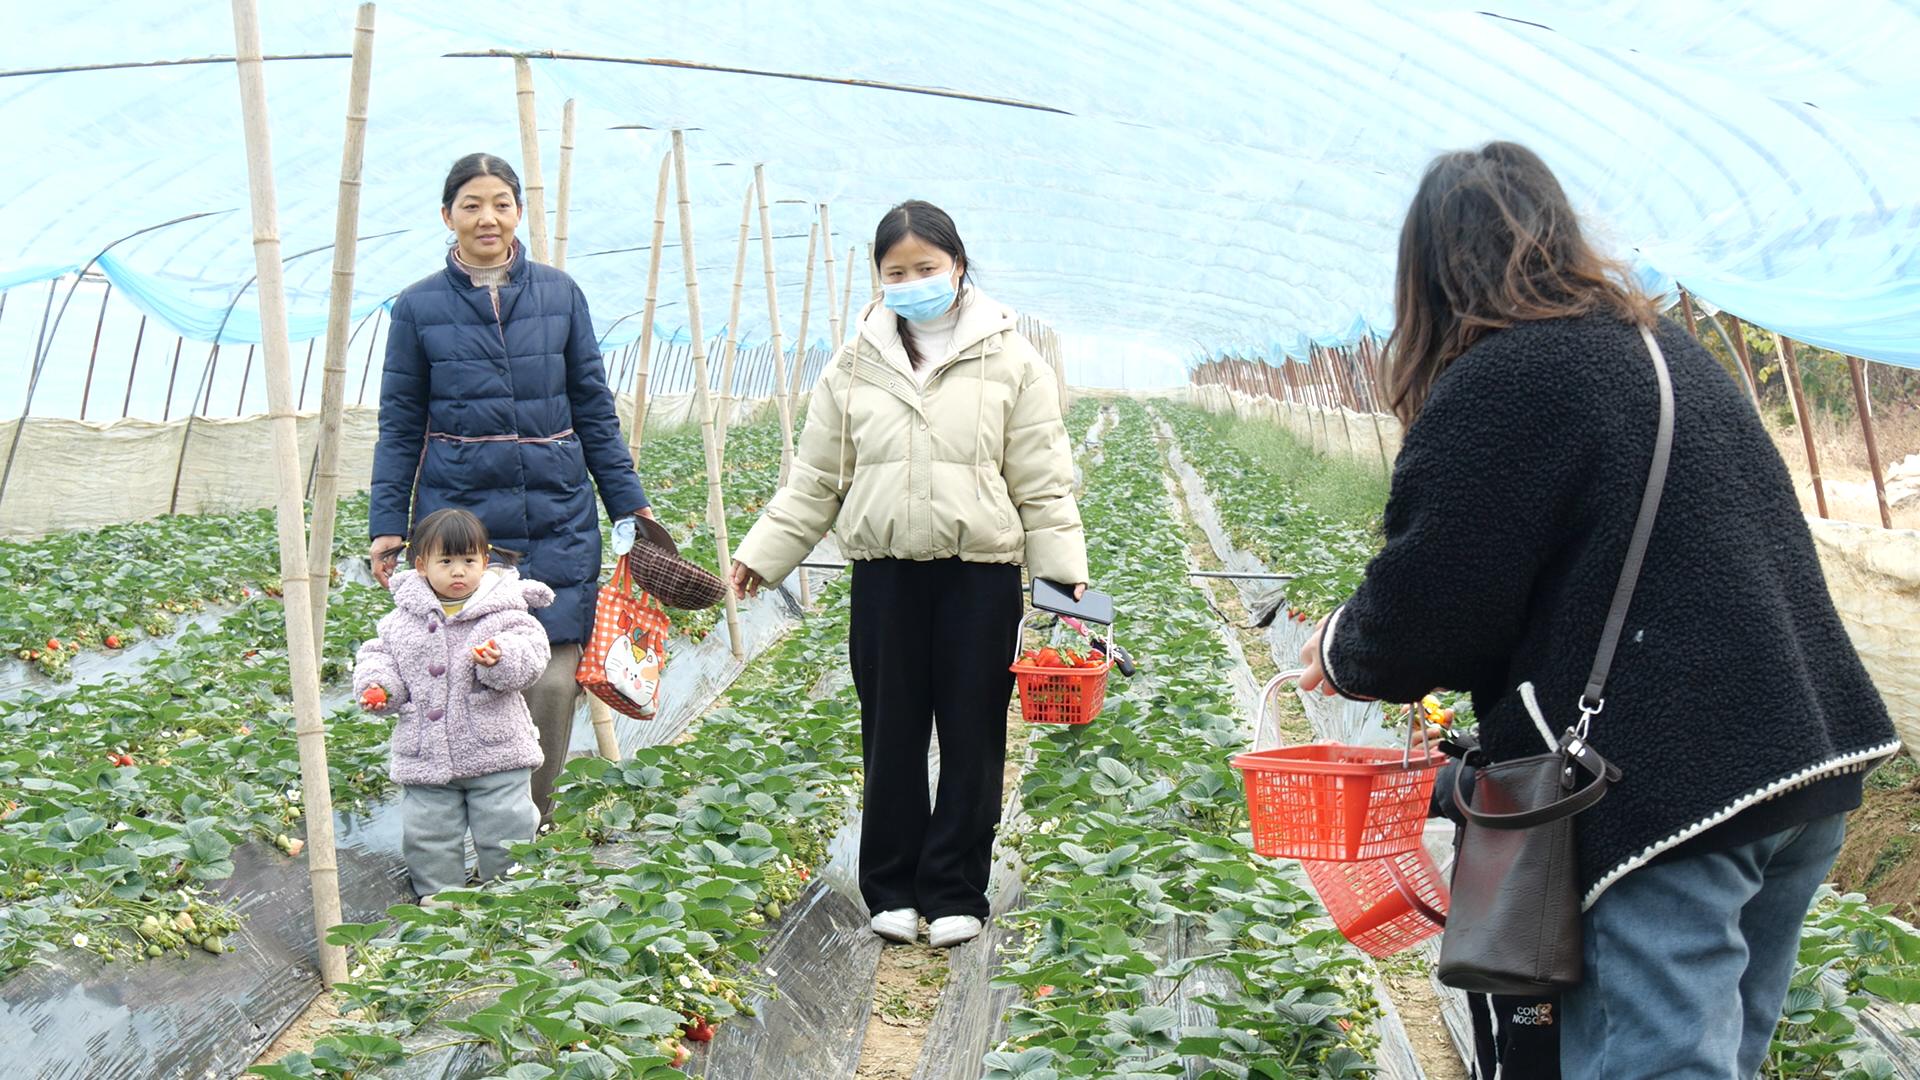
{"points": [[1333, 802], [1059, 695], [1383, 905]]}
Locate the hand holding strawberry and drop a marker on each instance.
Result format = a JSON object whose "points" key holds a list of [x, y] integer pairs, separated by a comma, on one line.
{"points": [[374, 698], [487, 655]]}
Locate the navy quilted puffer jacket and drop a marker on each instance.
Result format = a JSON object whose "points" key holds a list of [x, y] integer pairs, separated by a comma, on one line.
{"points": [[505, 415]]}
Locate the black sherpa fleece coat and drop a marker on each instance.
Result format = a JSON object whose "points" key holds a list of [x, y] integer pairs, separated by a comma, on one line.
{"points": [[1513, 500]]}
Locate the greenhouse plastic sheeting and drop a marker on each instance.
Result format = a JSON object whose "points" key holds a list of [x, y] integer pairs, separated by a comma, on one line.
{"points": [[1228, 177], [83, 1018], [1874, 576]]}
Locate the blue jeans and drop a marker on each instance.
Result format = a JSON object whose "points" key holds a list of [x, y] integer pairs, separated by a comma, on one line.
{"points": [[1688, 962]]}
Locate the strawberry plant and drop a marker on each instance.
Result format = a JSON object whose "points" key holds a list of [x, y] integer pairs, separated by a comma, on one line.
{"points": [[1139, 880], [636, 923], [111, 586], [1266, 516], [126, 797]]}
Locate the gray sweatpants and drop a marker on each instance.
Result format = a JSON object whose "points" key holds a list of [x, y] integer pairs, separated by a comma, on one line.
{"points": [[552, 700], [434, 818]]}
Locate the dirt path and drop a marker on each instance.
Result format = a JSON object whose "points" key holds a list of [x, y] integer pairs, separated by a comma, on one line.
{"points": [[308, 1028], [910, 978], [906, 988], [1406, 980], [1224, 597]]}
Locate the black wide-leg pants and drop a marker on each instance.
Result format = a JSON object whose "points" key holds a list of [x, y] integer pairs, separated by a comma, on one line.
{"points": [[930, 643]]}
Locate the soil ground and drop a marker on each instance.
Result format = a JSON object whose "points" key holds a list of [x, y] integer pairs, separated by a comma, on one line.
{"points": [[306, 1029], [1413, 995], [1882, 853]]}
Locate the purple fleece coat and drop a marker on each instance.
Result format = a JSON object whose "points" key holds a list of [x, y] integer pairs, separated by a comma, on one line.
{"points": [[458, 719]]}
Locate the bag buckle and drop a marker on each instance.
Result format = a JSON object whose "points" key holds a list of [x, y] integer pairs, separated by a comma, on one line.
{"points": [[1588, 710]]}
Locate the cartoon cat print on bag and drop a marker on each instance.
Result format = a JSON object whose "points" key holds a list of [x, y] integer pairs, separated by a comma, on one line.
{"points": [[634, 670]]}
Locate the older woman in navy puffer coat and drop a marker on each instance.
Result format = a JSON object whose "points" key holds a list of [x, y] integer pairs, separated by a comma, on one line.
{"points": [[494, 400]]}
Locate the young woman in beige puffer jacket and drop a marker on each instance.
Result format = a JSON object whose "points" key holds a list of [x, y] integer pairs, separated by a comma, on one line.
{"points": [[935, 449]]}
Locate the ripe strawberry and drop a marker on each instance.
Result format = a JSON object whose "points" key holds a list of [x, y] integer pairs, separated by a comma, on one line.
{"points": [[698, 1029], [374, 697], [1043, 991], [53, 644], [113, 641]]}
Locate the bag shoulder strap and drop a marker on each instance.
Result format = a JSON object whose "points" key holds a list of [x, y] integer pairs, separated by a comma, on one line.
{"points": [[1591, 700]]}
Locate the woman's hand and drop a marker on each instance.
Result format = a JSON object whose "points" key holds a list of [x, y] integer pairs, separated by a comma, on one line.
{"points": [[384, 554], [645, 512], [746, 581], [1080, 592], [1315, 676]]}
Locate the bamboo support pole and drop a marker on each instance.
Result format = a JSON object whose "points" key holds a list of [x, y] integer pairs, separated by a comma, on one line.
{"points": [[566, 189], [773, 319], [1865, 405], [800, 363], [846, 296], [1741, 352], [1804, 415], [833, 304], [643, 361], [1686, 309], [800, 356], [333, 377], [536, 189], [873, 273], [716, 508], [316, 791], [730, 358], [139, 336], [86, 391], [1371, 359]]}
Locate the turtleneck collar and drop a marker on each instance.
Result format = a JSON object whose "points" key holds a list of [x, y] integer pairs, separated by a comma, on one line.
{"points": [[482, 276]]}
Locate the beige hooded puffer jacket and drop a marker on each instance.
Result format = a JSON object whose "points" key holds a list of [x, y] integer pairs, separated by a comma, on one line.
{"points": [[974, 465]]}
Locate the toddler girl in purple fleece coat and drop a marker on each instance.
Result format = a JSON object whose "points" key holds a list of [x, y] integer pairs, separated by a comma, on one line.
{"points": [[450, 661]]}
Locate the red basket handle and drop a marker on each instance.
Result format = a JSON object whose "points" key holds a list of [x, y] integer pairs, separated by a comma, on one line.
{"points": [[1412, 896]]}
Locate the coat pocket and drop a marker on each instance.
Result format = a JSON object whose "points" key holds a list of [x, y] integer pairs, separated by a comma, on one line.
{"points": [[497, 717]]}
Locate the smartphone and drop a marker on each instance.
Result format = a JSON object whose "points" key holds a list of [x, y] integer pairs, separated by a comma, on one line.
{"points": [[1094, 607]]}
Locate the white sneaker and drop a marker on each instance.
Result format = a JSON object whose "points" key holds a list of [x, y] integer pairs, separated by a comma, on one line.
{"points": [[900, 924], [949, 930]]}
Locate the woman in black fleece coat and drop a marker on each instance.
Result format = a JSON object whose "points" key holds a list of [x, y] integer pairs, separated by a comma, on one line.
{"points": [[1737, 710]]}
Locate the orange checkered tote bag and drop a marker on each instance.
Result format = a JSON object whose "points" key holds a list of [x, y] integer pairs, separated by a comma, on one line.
{"points": [[622, 661]]}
